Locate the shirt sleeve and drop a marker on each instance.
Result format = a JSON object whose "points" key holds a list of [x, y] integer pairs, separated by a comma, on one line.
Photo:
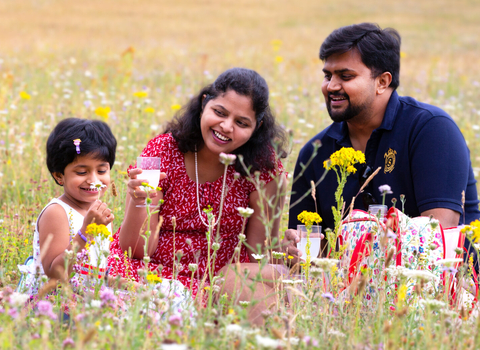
{"points": [[440, 165]]}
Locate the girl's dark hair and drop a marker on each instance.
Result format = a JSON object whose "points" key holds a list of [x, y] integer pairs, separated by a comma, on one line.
{"points": [[257, 151], [379, 48], [96, 139]]}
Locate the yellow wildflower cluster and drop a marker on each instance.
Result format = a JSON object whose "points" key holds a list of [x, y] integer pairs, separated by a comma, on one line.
{"points": [[153, 278], [101, 231], [345, 159], [472, 231], [308, 218]]}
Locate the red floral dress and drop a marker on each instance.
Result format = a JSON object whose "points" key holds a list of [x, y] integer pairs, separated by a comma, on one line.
{"points": [[179, 193]]}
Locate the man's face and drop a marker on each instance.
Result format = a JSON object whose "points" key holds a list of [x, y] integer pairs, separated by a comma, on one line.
{"points": [[348, 86]]}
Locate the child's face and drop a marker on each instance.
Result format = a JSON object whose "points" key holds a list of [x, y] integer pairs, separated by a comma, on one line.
{"points": [[79, 176]]}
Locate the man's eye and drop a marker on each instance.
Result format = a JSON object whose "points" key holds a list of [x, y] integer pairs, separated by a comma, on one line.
{"points": [[327, 77], [347, 77]]}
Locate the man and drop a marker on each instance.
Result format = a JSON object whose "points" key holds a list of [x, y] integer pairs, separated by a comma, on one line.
{"points": [[421, 151]]}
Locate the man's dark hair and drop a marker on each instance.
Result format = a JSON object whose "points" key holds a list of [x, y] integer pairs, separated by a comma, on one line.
{"points": [[96, 139], [379, 48], [257, 151]]}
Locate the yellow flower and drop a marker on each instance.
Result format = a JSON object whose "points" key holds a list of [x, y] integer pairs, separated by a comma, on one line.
{"points": [[345, 159], [140, 94], [278, 59], [308, 218], [103, 112], [153, 278], [472, 231], [95, 230], [24, 95], [26, 241], [402, 292], [176, 107], [149, 110]]}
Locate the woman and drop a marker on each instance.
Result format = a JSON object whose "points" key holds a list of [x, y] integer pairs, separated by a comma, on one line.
{"points": [[230, 116]]}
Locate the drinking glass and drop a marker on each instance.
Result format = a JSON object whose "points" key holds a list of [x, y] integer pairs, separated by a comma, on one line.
{"points": [[150, 172], [315, 238], [378, 210]]}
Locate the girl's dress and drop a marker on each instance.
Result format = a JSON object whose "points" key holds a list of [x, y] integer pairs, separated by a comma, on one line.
{"points": [[95, 263], [189, 236]]}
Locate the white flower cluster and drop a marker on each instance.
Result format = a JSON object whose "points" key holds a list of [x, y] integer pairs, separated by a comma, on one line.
{"points": [[245, 212], [448, 262], [18, 299], [433, 303], [325, 263]]}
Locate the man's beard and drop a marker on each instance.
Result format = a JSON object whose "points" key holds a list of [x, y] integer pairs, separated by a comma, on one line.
{"points": [[346, 114]]}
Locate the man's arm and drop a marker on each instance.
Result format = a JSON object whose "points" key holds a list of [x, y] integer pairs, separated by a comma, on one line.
{"points": [[446, 217]]}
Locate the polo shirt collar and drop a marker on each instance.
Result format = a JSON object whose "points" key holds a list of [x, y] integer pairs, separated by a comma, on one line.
{"points": [[390, 113], [339, 131]]}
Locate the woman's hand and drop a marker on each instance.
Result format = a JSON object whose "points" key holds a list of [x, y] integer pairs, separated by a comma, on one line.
{"points": [[137, 195], [289, 244]]}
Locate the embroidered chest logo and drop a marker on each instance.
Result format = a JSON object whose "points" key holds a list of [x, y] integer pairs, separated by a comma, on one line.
{"points": [[389, 160]]}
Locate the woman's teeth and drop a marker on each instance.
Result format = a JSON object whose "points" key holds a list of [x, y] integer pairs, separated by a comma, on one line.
{"points": [[221, 137]]}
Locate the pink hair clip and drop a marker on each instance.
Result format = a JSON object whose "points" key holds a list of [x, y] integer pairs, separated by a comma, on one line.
{"points": [[76, 142]]}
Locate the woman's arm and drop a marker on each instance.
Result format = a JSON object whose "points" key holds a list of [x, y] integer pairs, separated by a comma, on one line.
{"points": [[54, 236], [135, 218], [274, 193]]}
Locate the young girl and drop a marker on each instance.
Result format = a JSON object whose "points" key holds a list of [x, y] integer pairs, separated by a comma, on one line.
{"points": [[80, 155], [230, 116]]}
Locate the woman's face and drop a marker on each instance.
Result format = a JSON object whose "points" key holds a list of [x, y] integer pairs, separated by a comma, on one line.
{"points": [[228, 121]]}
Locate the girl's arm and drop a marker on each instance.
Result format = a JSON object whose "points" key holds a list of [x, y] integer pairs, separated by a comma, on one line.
{"points": [[54, 236], [134, 221], [274, 193]]}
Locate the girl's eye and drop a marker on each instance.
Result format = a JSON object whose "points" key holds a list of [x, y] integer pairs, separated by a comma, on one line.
{"points": [[102, 171], [82, 173]]}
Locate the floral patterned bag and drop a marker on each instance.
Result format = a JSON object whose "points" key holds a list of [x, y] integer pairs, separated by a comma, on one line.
{"points": [[420, 248]]}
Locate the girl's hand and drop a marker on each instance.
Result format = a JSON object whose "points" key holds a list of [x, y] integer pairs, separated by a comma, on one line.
{"points": [[137, 195], [98, 213]]}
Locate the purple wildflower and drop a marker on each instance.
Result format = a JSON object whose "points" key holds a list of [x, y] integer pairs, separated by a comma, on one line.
{"points": [[68, 342], [13, 313], [45, 308], [310, 341], [175, 320], [390, 234], [329, 296], [385, 189], [450, 269], [107, 297]]}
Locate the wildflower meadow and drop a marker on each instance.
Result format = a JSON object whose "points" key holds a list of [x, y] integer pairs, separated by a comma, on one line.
{"points": [[133, 64]]}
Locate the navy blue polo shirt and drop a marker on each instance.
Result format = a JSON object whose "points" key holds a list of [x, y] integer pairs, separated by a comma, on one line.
{"points": [[422, 155]]}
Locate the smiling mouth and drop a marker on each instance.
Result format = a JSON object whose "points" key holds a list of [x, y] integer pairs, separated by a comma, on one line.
{"points": [[337, 98], [89, 189], [220, 136]]}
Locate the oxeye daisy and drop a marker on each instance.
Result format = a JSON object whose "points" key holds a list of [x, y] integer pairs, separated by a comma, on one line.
{"points": [[97, 185]]}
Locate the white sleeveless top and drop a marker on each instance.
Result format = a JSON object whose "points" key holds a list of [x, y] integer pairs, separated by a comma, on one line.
{"points": [[97, 253]]}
